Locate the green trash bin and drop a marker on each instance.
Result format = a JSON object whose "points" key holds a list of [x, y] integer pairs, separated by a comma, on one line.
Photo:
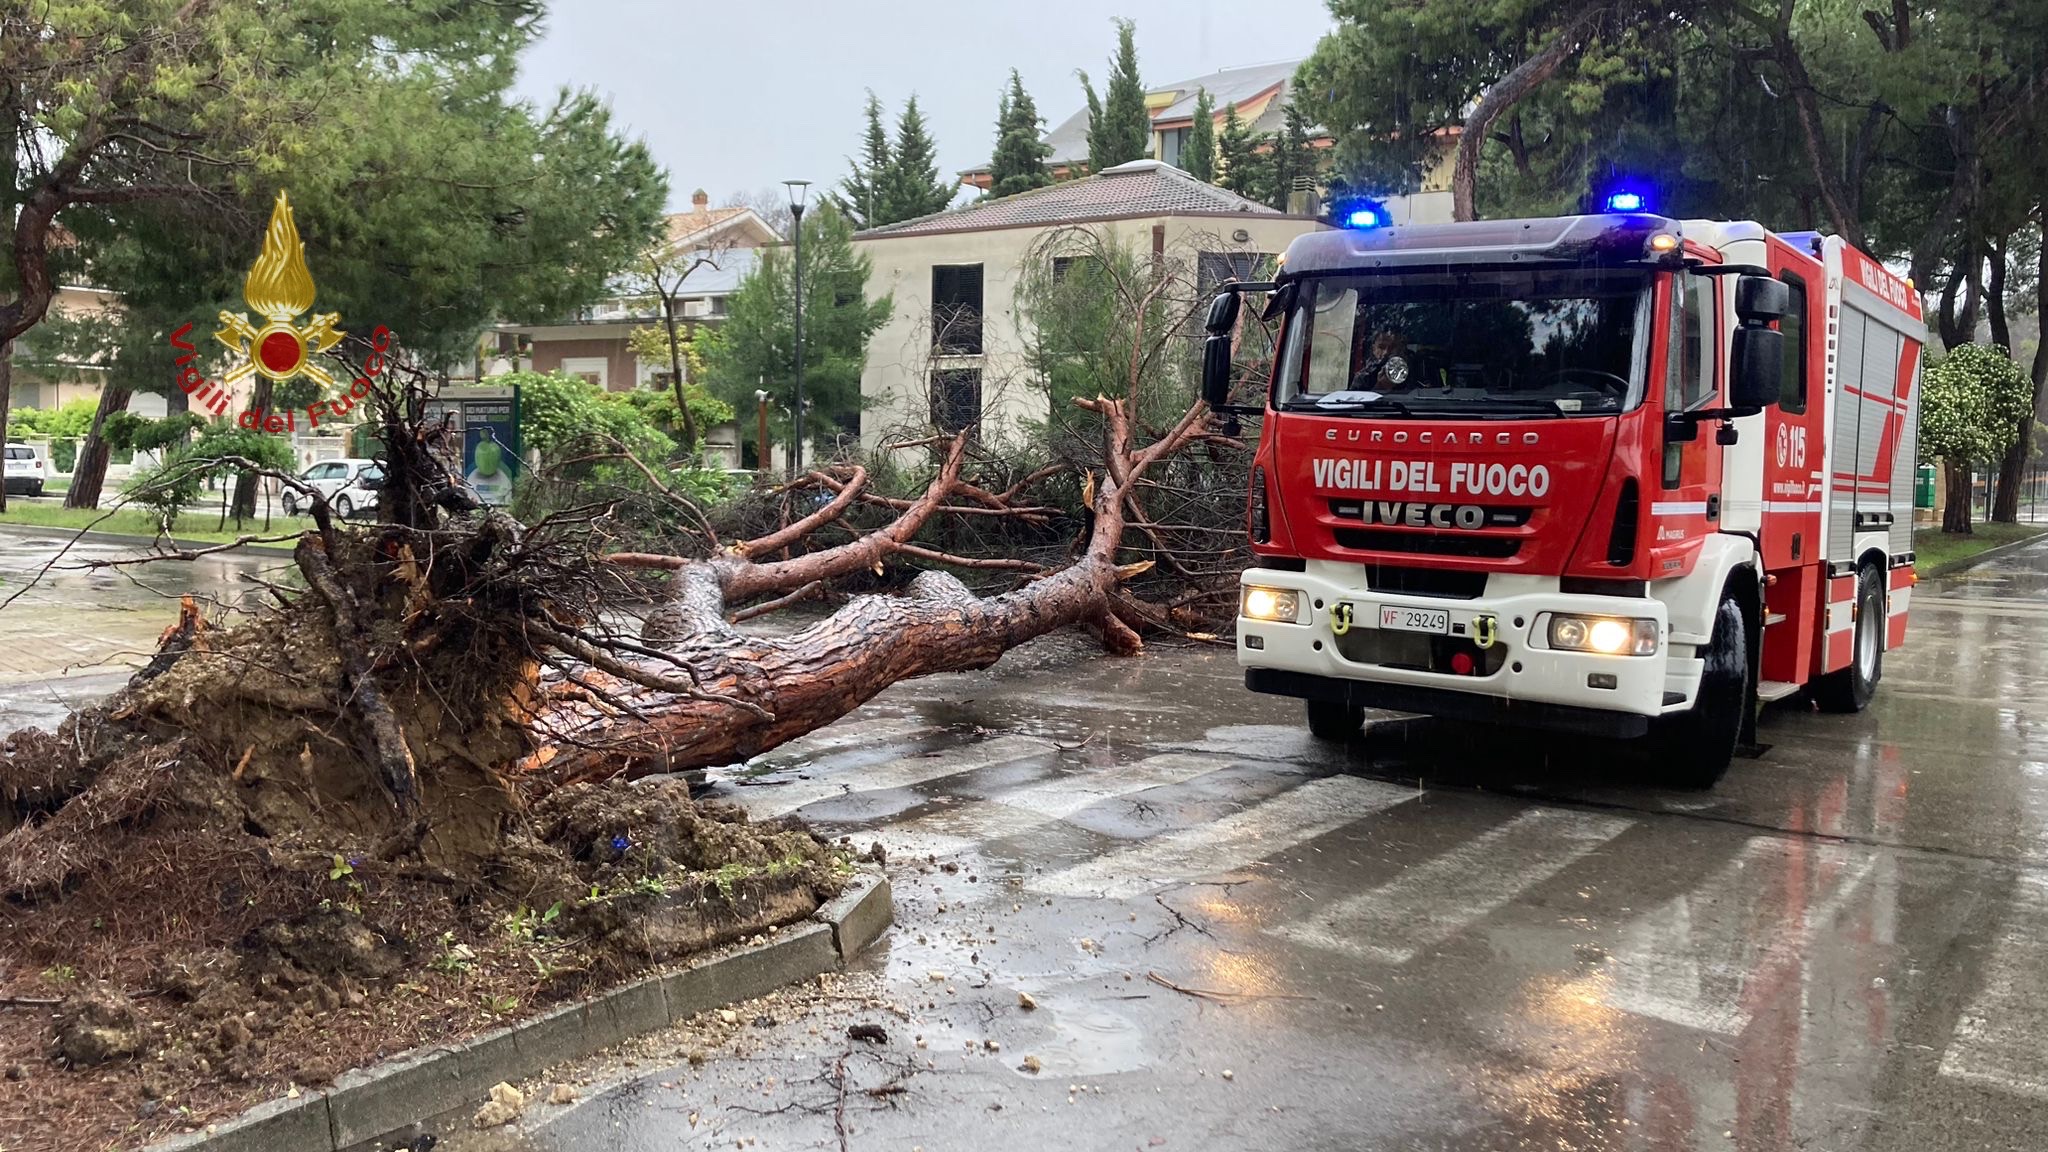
{"points": [[1923, 486]]}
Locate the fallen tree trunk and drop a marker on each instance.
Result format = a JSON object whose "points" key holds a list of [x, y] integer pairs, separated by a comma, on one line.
{"points": [[757, 692]]}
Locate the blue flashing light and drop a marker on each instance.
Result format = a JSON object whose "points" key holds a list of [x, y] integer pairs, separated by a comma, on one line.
{"points": [[1625, 202], [1364, 218]]}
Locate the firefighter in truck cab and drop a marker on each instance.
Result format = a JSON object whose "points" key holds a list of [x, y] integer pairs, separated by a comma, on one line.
{"points": [[1613, 474]]}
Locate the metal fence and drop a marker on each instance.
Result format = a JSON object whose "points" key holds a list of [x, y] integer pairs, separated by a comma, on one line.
{"points": [[2033, 507]]}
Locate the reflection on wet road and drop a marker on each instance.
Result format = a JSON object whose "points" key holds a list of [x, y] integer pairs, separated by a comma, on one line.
{"points": [[74, 631], [1432, 939]]}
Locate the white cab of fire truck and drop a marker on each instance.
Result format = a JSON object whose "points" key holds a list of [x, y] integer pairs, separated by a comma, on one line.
{"points": [[1614, 474]]}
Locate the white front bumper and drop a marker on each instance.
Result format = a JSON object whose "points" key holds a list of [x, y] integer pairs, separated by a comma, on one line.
{"points": [[1530, 672]]}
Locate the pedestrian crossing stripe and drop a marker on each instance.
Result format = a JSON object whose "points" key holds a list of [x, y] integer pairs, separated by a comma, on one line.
{"points": [[1433, 901], [1236, 841], [1035, 806], [1998, 1041], [770, 801]]}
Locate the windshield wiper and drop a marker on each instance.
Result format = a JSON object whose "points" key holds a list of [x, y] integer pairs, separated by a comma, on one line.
{"points": [[1525, 404], [1350, 402]]}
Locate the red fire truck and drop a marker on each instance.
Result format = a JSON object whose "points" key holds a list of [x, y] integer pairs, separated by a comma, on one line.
{"points": [[1615, 474]]}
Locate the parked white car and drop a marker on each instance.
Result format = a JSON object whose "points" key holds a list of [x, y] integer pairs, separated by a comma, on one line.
{"points": [[26, 470], [361, 493], [331, 477]]}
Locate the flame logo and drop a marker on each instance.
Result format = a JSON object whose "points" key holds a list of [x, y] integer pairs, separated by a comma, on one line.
{"points": [[279, 286]]}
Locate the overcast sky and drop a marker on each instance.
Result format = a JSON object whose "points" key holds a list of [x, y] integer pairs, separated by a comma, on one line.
{"points": [[740, 96]]}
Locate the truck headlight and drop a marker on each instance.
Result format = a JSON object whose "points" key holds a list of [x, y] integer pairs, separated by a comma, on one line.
{"points": [[1607, 635], [1278, 604]]}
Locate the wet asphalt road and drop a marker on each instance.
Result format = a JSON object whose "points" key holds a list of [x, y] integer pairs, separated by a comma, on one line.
{"points": [[71, 632], [1429, 940]]}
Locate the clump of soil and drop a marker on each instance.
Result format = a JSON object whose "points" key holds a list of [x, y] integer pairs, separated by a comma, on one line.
{"points": [[190, 978], [213, 888]]}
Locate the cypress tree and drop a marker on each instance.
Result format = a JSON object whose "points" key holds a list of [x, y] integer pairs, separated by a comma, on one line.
{"points": [[1238, 152], [1290, 159], [1198, 155], [911, 187], [1119, 126], [860, 195], [1019, 161], [1094, 118]]}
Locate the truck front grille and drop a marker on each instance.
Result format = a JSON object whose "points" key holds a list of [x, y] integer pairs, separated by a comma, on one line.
{"points": [[1425, 581], [1428, 543]]}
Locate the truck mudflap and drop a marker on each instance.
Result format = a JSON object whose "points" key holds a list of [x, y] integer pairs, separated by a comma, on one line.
{"points": [[1462, 707]]}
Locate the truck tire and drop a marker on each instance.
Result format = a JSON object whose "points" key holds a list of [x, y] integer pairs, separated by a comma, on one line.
{"points": [[1329, 720], [1850, 689], [1693, 749]]}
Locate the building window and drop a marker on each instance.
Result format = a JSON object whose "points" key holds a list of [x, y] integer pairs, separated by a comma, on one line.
{"points": [[956, 399], [956, 309], [718, 305], [1064, 266], [1216, 268], [593, 369], [1170, 145]]}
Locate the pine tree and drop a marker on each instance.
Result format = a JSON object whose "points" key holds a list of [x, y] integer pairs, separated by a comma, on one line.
{"points": [[1290, 160], [1119, 125], [859, 197], [1198, 155], [1238, 152], [1019, 161], [912, 187], [1094, 118], [757, 340]]}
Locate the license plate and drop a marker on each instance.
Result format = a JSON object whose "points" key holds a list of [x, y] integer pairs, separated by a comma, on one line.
{"points": [[1415, 619]]}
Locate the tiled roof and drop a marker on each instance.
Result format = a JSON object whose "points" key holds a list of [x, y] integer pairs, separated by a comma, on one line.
{"points": [[1139, 188], [683, 225]]}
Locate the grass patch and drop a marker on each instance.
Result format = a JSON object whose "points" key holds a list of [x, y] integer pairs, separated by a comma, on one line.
{"points": [[136, 522], [1932, 547]]}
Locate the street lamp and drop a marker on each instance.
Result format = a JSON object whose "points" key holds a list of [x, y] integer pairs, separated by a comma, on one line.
{"points": [[762, 463], [798, 189]]}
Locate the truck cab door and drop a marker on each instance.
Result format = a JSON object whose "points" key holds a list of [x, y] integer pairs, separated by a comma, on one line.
{"points": [[1686, 505], [1794, 483]]}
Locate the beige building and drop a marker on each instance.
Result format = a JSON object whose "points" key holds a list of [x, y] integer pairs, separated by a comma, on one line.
{"points": [[594, 344], [47, 377], [954, 351]]}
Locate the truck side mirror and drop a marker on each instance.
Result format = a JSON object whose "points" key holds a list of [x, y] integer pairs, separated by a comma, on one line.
{"points": [[1216, 362], [1756, 367], [1760, 299], [1222, 313]]}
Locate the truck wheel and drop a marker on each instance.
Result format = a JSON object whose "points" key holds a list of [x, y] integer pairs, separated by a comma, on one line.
{"points": [[1329, 720], [1850, 689], [1694, 748]]}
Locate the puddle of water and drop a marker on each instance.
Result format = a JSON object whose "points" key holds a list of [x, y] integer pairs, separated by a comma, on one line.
{"points": [[1089, 1041]]}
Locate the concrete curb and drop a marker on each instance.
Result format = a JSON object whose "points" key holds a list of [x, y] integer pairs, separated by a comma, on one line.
{"points": [[127, 541], [1968, 562], [370, 1102]]}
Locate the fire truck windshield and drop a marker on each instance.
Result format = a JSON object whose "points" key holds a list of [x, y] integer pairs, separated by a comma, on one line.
{"points": [[1469, 342]]}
